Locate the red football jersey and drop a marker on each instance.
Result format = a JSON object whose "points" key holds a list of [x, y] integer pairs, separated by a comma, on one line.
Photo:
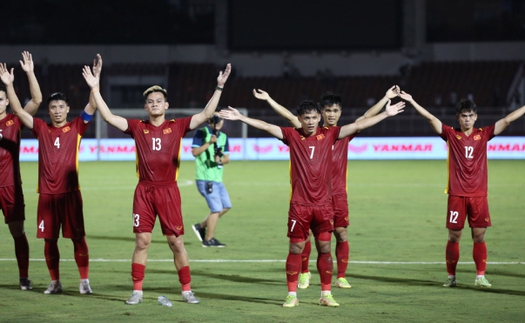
{"points": [[311, 164], [58, 155], [467, 161], [340, 165], [10, 132], [158, 148]]}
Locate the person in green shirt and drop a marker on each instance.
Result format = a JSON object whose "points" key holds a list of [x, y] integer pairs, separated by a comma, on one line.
{"points": [[211, 151]]}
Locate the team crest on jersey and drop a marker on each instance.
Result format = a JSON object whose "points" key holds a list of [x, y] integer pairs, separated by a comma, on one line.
{"points": [[146, 131], [320, 137], [477, 137], [458, 136], [166, 131], [66, 129], [9, 123]]}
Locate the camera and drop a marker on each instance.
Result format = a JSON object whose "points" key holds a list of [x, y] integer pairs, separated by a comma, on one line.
{"points": [[209, 187], [215, 119], [218, 152]]}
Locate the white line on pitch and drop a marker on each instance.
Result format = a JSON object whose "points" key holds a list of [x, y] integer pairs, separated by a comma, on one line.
{"points": [[283, 260]]}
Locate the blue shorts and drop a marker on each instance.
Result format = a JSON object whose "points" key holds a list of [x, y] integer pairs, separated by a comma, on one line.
{"points": [[218, 199]]}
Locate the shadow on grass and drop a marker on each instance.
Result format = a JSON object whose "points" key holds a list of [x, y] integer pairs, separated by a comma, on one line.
{"points": [[130, 238], [231, 278], [418, 282]]}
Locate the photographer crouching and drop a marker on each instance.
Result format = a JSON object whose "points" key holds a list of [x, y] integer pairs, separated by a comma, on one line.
{"points": [[211, 151]]}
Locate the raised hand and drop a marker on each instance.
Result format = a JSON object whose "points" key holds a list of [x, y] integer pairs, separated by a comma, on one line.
{"points": [[91, 79], [7, 78], [261, 95], [392, 110], [230, 114], [405, 96], [223, 76], [97, 66], [27, 65], [393, 92]]}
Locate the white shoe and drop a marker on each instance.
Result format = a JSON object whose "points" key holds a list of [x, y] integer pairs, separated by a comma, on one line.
{"points": [[190, 298], [135, 298], [84, 287], [54, 288]]}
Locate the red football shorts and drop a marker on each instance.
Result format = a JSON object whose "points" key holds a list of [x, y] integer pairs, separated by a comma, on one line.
{"points": [[476, 209], [340, 206], [56, 210], [302, 218], [12, 203], [152, 200]]}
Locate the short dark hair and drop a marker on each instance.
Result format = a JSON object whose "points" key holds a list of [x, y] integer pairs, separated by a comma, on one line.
{"points": [[155, 88], [328, 99], [2, 88], [308, 106], [56, 97], [466, 105]]}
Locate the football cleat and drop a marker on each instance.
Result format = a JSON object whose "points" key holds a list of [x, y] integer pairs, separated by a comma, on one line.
{"points": [[450, 282], [291, 301], [135, 298], [482, 282], [54, 288], [304, 280], [328, 300]]}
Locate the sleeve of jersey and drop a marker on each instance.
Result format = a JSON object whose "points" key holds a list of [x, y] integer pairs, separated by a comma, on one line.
{"points": [[285, 135], [37, 124], [80, 125], [445, 130], [337, 130], [131, 125], [489, 130]]}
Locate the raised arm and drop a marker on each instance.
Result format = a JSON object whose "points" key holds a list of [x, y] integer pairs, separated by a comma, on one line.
{"points": [[389, 95], [94, 83], [36, 95], [209, 109], [90, 108], [435, 123], [14, 103], [390, 111], [282, 111], [503, 123], [234, 114]]}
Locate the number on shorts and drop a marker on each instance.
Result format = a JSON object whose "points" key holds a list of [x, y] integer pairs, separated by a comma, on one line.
{"points": [[136, 220], [41, 226], [293, 225], [453, 217]]}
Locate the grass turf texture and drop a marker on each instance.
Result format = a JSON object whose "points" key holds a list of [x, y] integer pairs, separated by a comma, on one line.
{"points": [[397, 215]]}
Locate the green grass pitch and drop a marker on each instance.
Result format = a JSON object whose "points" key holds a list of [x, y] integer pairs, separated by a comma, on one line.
{"points": [[397, 239]]}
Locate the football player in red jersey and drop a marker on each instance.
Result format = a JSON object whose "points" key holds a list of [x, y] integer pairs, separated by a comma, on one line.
{"points": [[11, 194], [310, 204], [158, 143], [60, 200], [331, 109], [467, 181]]}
